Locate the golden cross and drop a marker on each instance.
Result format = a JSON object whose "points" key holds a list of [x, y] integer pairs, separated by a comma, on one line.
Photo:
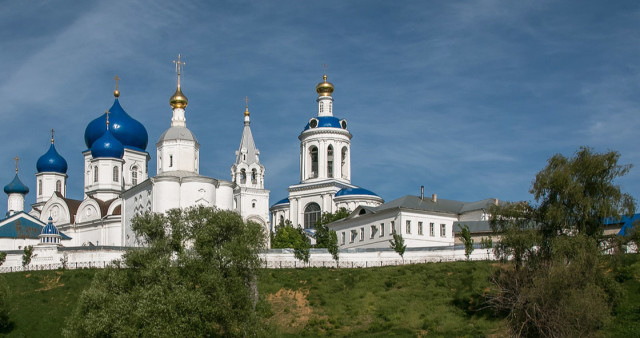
{"points": [[117, 79], [246, 102], [52, 136], [179, 67], [108, 112], [16, 159], [324, 65]]}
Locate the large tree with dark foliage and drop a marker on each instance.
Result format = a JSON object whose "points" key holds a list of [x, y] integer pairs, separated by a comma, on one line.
{"points": [[327, 238], [194, 276], [554, 284]]}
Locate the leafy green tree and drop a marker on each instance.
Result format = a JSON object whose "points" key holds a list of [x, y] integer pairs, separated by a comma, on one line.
{"points": [[3, 257], [288, 236], [555, 283], [195, 276], [325, 237], [397, 244], [27, 255], [465, 236], [4, 304]]}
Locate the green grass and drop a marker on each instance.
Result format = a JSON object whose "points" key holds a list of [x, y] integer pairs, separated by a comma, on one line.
{"points": [[435, 299]]}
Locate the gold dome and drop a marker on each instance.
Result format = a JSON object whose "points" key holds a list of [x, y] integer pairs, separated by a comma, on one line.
{"points": [[246, 111], [324, 88], [178, 100], [116, 93]]}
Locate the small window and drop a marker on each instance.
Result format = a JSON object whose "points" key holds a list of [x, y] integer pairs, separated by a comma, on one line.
{"points": [[116, 177], [254, 176], [95, 174], [381, 229], [321, 107], [170, 161], [343, 124], [408, 227], [354, 234], [343, 237], [393, 227], [134, 175], [374, 230], [59, 186], [243, 176], [431, 229], [443, 230], [39, 187], [313, 123], [362, 234], [419, 228], [253, 204]]}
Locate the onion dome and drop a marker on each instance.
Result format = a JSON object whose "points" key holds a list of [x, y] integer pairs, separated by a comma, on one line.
{"points": [[126, 129], [52, 162], [16, 187], [326, 122], [178, 99], [107, 146], [355, 191], [324, 88], [50, 229]]}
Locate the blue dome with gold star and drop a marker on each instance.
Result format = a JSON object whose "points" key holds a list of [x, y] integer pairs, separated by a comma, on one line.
{"points": [[124, 128], [51, 161]]}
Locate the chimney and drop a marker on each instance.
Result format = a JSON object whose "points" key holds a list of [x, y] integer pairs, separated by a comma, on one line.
{"points": [[434, 198], [422, 192]]}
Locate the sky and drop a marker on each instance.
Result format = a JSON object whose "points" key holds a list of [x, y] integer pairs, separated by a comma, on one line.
{"points": [[466, 98]]}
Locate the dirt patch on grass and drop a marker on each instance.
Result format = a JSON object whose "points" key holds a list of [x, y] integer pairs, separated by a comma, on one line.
{"points": [[50, 282], [290, 308]]}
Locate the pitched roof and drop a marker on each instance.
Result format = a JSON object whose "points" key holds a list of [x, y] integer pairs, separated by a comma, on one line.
{"points": [[247, 143], [22, 225]]}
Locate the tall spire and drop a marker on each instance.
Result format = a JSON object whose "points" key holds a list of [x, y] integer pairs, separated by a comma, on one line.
{"points": [[247, 121], [247, 153], [178, 100]]}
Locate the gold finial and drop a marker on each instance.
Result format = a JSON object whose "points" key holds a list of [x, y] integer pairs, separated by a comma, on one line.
{"points": [[324, 88], [16, 159], [108, 112], [246, 105], [116, 93], [52, 131], [179, 67], [178, 100]]}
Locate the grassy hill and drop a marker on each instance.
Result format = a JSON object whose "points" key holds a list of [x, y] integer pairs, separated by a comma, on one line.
{"points": [[439, 299]]}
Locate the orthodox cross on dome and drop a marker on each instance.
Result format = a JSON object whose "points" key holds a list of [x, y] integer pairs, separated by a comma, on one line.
{"points": [[108, 112], [246, 102], [179, 67], [117, 79], [324, 66], [16, 159], [52, 132]]}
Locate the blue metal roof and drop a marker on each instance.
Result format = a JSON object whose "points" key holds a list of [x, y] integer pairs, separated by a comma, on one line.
{"points": [[627, 223], [51, 161], [107, 146], [326, 122], [50, 229], [282, 201], [355, 191], [126, 129], [16, 187], [23, 227]]}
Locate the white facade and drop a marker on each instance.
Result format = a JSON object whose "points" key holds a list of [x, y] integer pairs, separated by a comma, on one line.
{"points": [[325, 169]]}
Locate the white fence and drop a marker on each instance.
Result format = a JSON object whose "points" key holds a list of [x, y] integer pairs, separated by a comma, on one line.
{"points": [[99, 257]]}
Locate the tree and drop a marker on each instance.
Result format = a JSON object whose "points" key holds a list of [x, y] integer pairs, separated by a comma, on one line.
{"points": [[397, 244], [327, 238], [465, 236], [27, 255], [3, 257], [195, 276], [288, 236], [555, 283], [4, 305]]}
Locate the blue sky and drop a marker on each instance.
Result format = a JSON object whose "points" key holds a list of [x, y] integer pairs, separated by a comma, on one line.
{"points": [[468, 98]]}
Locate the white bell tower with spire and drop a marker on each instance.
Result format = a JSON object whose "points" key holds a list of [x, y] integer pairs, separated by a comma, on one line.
{"points": [[250, 199]]}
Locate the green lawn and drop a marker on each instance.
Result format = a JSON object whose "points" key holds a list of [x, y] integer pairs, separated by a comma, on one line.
{"points": [[435, 299]]}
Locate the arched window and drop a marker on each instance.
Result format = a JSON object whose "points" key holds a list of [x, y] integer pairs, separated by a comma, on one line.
{"points": [[95, 174], [344, 163], [281, 220], [254, 176], [134, 175], [170, 161], [243, 176], [59, 186], [311, 215], [330, 162], [313, 154], [116, 176]]}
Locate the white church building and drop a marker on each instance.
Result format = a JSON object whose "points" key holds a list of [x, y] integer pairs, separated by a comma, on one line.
{"points": [[117, 186]]}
